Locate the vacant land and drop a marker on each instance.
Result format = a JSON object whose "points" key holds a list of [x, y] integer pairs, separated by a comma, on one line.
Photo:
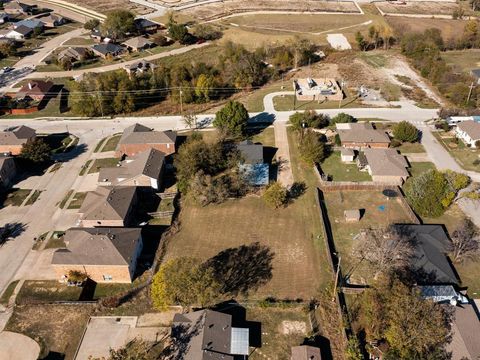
{"points": [[57, 328], [449, 28], [466, 157], [378, 212], [104, 6], [418, 7], [463, 60], [287, 103], [340, 171]]}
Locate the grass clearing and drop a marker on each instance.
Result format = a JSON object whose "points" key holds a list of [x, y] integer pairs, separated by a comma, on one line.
{"points": [[8, 292], [340, 171], [101, 163], [345, 234], [448, 28], [77, 200], [463, 60], [57, 328], [16, 197], [467, 158]]}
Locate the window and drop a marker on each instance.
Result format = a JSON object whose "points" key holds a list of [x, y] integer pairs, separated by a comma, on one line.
{"points": [[107, 277]]}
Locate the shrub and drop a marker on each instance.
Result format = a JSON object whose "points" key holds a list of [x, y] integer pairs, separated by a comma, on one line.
{"points": [[275, 196], [232, 119], [312, 149], [404, 131], [343, 118]]}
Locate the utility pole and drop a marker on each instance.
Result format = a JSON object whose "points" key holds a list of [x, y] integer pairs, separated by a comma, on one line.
{"points": [[472, 86], [336, 278], [100, 102], [181, 102]]}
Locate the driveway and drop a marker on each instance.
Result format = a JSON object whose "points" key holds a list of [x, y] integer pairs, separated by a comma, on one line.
{"points": [[17, 346]]}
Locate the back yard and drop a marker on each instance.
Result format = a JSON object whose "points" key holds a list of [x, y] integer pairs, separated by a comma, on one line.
{"points": [[340, 171], [377, 211]]}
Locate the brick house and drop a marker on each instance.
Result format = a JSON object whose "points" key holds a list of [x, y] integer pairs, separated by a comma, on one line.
{"points": [[138, 138], [36, 90], [108, 206], [8, 171], [362, 135], [103, 254], [144, 169], [12, 141], [386, 166]]}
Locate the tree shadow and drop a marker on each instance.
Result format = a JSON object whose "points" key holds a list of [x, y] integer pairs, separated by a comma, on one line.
{"points": [[242, 269], [71, 154], [297, 189], [53, 355], [10, 231], [262, 118]]}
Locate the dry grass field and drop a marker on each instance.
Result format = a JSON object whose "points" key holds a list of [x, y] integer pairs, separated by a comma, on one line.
{"points": [[418, 7], [104, 6], [463, 60], [449, 28], [345, 234]]}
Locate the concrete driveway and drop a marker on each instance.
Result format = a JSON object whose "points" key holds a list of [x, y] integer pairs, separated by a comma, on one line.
{"points": [[15, 346]]}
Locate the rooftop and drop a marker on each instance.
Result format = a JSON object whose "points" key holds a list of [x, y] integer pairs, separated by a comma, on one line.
{"points": [[108, 203], [16, 136], [471, 127], [139, 134], [465, 328], [361, 133], [386, 162]]}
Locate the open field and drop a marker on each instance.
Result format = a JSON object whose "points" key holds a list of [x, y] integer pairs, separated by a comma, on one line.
{"points": [[467, 158], [286, 103], [340, 171], [104, 6], [418, 7], [449, 28], [345, 234], [463, 60], [411, 148], [57, 328]]}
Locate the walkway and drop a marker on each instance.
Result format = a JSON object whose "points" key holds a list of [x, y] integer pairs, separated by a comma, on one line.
{"points": [[285, 174]]}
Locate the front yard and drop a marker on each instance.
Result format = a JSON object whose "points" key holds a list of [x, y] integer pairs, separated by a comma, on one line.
{"points": [[466, 157], [15, 197], [101, 163]]}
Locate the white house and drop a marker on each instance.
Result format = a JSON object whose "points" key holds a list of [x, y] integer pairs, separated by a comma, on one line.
{"points": [[468, 132]]}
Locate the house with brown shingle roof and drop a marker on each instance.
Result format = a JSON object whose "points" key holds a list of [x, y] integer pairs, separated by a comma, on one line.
{"points": [[36, 90], [386, 165], [468, 132], [305, 352], [103, 254], [144, 169], [465, 333], [138, 43], [108, 206], [362, 135], [138, 138], [12, 140], [73, 54]]}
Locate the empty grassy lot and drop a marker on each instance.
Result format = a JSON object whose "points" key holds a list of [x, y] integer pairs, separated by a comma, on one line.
{"points": [[424, 8], [463, 60], [466, 157], [340, 171], [345, 233], [449, 28], [411, 148]]}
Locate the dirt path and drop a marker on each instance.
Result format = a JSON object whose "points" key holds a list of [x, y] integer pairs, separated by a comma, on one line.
{"points": [[285, 174]]}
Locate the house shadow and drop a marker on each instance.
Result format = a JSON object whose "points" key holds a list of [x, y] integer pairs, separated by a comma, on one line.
{"points": [[72, 154], [262, 118], [242, 269], [53, 355], [52, 93]]}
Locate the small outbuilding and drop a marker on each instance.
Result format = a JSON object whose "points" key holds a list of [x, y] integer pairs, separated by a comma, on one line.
{"points": [[352, 215], [347, 155]]}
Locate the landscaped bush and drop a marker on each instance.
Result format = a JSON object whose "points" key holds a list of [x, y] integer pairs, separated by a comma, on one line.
{"points": [[404, 131]]}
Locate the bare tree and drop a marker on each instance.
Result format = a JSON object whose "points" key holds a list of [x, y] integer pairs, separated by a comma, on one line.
{"points": [[190, 119], [385, 249], [465, 241]]}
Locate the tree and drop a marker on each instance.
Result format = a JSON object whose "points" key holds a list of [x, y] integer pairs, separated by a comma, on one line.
{"points": [[353, 351], [91, 24], [343, 118], [207, 32], [118, 24], [457, 181], [232, 119], [208, 190], [37, 151], [275, 196], [190, 119], [312, 149], [385, 250], [308, 119], [465, 241], [8, 49], [178, 32], [404, 131], [475, 4], [204, 88], [184, 281], [361, 43]]}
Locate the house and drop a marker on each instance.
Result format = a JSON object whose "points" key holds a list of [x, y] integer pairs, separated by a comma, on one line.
{"points": [[143, 169], [108, 206], [305, 352], [8, 171], [255, 170], [138, 43], [347, 155], [73, 54], [147, 26], [12, 141], [139, 67], [454, 120], [362, 135], [108, 49], [465, 333], [20, 33], [4, 18], [138, 138], [442, 294], [430, 260], [208, 334], [310, 89], [30, 23], [475, 74], [386, 166], [96, 35], [53, 20], [103, 254], [15, 8], [469, 132], [36, 90]]}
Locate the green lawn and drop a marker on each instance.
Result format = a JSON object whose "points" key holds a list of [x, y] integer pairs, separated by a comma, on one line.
{"points": [[79, 41], [411, 148], [340, 171], [254, 101], [56, 241], [417, 168], [65, 199], [266, 137], [101, 163], [8, 292], [48, 290], [111, 143], [16, 197], [77, 200], [466, 157]]}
